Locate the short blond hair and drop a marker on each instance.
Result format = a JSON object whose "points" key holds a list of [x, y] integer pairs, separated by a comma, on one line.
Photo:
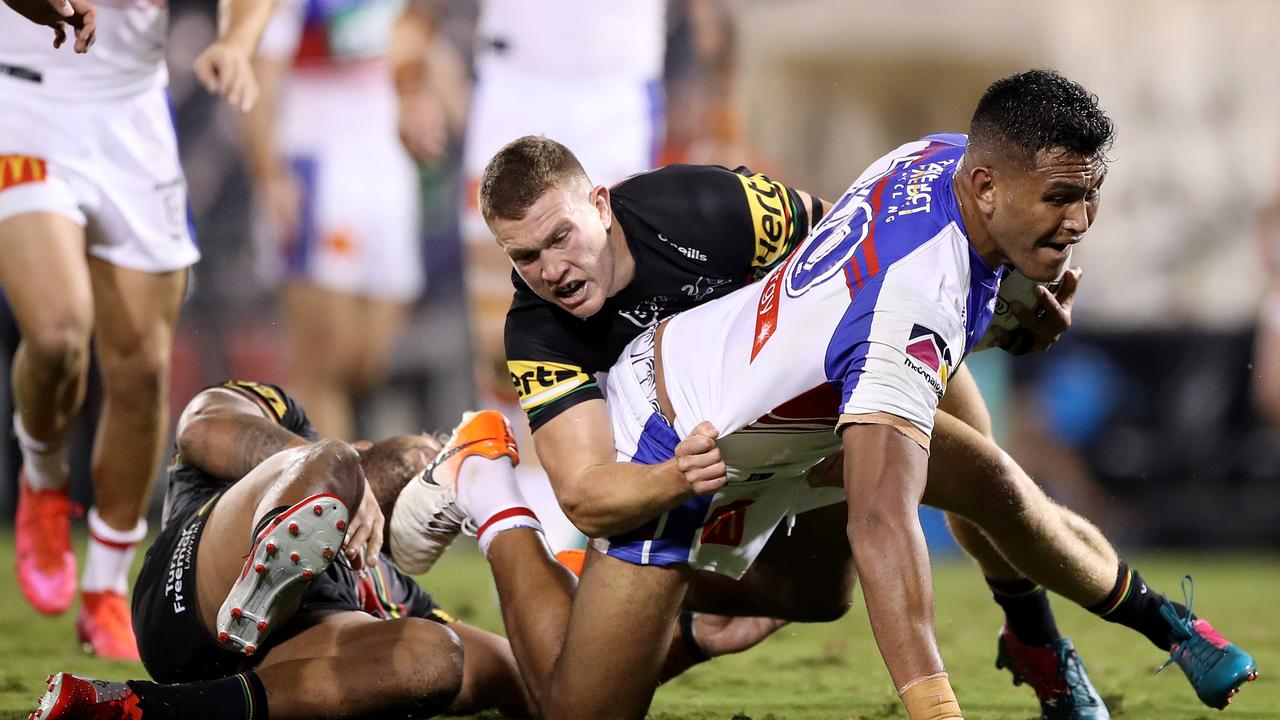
{"points": [[521, 172]]}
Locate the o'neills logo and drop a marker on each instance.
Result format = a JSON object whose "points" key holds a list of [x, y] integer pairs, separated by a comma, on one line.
{"points": [[928, 355]]}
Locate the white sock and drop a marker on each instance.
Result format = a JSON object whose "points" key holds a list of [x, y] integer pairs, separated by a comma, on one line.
{"points": [[46, 468], [110, 555], [489, 493]]}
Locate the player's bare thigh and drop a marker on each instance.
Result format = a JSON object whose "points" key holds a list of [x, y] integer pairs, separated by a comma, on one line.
{"points": [[40, 252]]}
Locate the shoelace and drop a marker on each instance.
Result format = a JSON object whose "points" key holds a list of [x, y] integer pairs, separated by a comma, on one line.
{"points": [[1187, 640]]}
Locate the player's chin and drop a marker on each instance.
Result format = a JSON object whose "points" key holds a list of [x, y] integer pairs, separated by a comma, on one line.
{"points": [[1045, 263]]}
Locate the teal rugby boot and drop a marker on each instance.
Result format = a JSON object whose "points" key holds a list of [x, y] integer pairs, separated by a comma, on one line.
{"points": [[1056, 673], [1215, 667]]}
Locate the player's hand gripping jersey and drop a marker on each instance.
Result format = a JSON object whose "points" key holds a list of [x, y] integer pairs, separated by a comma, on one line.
{"points": [[864, 322], [697, 232]]}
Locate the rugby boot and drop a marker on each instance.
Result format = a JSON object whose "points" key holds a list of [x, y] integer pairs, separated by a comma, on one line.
{"points": [[45, 563], [71, 697], [1057, 675], [292, 550], [105, 627], [1215, 667], [427, 516]]}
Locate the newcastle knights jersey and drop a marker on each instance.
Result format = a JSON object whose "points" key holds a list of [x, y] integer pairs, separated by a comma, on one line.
{"points": [[697, 232], [864, 322]]}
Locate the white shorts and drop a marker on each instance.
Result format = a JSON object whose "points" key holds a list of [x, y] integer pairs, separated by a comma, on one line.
{"points": [[614, 129], [724, 532], [111, 166], [359, 225]]}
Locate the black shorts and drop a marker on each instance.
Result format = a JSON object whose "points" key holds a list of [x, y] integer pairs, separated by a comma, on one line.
{"points": [[173, 642]]}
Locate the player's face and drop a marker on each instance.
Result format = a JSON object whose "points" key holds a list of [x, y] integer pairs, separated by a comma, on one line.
{"points": [[1041, 212], [561, 247]]}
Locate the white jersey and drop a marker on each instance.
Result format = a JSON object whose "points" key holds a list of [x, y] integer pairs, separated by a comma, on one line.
{"points": [[127, 58], [622, 40], [864, 322], [869, 316]]}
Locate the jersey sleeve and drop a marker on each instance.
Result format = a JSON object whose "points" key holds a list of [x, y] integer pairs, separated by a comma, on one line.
{"points": [[892, 355], [276, 404], [739, 223], [549, 377]]}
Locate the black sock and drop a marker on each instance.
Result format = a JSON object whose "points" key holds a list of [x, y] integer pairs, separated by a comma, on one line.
{"points": [[239, 697], [1132, 604], [1026, 610]]}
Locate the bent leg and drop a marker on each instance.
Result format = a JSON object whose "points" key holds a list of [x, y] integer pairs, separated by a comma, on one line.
{"points": [[970, 476], [350, 664], [617, 641], [284, 479]]}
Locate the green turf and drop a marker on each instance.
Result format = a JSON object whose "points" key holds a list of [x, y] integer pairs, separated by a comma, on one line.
{"points": [[820, 671]]}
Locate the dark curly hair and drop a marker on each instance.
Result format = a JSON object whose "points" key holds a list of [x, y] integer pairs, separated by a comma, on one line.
{"points": [[1022, 114]]}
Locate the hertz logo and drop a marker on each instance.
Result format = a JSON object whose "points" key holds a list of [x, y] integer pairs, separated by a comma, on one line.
{"points": [[538, 383], [770, 218]]}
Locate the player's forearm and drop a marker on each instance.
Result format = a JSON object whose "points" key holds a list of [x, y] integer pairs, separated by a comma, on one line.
{"points": [[228, 445], [893, 567], [241, 22], [261, 154], [407, 53], [612, 498]]}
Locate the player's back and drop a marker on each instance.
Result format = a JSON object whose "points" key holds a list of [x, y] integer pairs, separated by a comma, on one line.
{"points": [[128, 55], [774, 365]]}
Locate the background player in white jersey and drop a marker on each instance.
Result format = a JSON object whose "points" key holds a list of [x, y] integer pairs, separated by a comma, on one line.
{"points": [[339, 195], [94, 240]]}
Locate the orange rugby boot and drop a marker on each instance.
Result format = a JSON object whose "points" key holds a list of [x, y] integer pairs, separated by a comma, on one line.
{"points": [[45, 563]]}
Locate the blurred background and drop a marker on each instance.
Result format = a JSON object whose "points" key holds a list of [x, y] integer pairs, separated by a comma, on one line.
{"points": [[1158, 416]]}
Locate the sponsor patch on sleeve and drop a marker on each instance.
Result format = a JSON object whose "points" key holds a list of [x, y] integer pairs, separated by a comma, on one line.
{"points": [[538, 383], [21, 169], [771, 218]]}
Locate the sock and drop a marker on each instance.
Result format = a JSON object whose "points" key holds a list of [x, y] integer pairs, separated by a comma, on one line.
{"points": [[1026, 610], [239, 697], [489, 493], [1132, 604], [265, 520], [46, 468], [110, 555]]}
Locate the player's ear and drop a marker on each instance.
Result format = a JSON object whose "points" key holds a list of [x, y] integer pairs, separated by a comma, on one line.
{"points": [[982, 186], [600, 199]]}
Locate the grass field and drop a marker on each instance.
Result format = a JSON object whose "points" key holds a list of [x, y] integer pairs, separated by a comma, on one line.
{"points": [[820, 671]]}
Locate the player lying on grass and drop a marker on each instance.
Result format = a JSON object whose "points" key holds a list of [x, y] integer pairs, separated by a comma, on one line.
{"points": [[239, 642], [575, 248]]}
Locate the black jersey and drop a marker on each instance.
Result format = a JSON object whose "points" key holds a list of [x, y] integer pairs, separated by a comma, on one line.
{"points": [[697, 232], [190, 486]]}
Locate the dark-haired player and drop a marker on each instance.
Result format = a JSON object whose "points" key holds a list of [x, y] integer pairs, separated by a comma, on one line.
{"points": [[595, 261], [244, 604]]}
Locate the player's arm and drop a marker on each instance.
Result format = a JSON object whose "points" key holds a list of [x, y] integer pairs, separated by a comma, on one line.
{"points": [[224, 68], [431, 93], [885, 474], [600, 496], [226, 434], [277, 190]]}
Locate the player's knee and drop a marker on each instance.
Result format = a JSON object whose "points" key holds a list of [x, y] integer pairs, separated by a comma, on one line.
{"points": [[1005, 495], [137, 377], [427, 666], [62, 345], [340, 471]]}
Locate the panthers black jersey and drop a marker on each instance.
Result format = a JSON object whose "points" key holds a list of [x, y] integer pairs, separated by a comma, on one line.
{"points": [[697, 232], [189, 485]]}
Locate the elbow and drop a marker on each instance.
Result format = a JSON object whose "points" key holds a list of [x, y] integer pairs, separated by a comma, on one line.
{"points": [[578, 509]]}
